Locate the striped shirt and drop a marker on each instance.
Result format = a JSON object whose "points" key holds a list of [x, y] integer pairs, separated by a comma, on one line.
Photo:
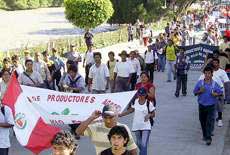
{"points": [[98, 134]]}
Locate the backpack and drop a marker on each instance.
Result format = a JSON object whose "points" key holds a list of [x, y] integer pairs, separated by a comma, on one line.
{"points": [[3, 110], [153, 52], [150, 119]]}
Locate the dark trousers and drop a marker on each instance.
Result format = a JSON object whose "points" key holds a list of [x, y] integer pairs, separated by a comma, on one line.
{"points": [[207, 120], [57, 78], [133, 81], [149, 68], [87, 67], [4, 151], [181, 80], [130, 37], [122, 84]]}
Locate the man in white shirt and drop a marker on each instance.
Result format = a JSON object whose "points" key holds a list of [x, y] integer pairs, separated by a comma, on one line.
{"points": [[16, 64], [122, 73], [222, 75], [150, 61], [72, 55], [41, 67], [98, 76], [87, 63], [6, 122], [30, 77], [137, 68]]}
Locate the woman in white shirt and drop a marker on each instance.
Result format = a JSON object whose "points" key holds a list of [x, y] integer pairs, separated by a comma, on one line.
{"points": [[144, 111]]}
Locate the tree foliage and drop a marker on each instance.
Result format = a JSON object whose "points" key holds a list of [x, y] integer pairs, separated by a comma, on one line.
{"points": [[29, 4], [128, 11], [88, 13]]}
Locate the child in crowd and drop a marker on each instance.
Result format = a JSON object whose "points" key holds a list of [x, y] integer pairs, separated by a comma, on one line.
{"points": [[63, 144], [119, 138]]}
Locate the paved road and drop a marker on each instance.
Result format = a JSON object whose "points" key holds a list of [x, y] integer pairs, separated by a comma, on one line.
{"points": [[176, 131], [19, 28]]}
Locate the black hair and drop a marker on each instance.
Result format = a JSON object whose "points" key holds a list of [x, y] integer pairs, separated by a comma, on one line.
{"points": [[227, 50], [119, 130], [111, 53], [15, 57], [28, 60], [70, 62], [208, 69], [216, 52], [216, 59], [5, 70], [73, 68], [65, 138], [6, 59], [97, 53], [144, 72], [44, 52]]}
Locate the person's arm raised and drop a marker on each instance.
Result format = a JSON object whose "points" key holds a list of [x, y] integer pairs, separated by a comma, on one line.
{"points": [[84, 125]]}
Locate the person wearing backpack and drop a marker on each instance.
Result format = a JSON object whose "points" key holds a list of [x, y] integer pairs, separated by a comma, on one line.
{"points": [[74, 82], [182, 67], [208, 92], [170, 51], [150, 61], [144, 112]]}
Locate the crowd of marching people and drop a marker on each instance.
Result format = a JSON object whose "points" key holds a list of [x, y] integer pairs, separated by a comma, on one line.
{"points": [[135, 71]]}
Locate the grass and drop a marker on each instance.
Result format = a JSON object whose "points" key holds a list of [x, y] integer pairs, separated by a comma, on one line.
{"points": [[100, 40]]}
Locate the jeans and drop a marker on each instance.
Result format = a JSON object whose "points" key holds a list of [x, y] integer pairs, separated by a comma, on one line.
{"points": [[181, 80], [161, 62], [142, 137], [171, 69], [207, 120]]}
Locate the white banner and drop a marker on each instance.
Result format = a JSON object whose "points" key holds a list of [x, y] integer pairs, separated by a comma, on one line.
{"points": [[68, 108]]}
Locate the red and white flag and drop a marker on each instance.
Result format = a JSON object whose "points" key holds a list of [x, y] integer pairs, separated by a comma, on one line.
{"points": [[30, 129]]}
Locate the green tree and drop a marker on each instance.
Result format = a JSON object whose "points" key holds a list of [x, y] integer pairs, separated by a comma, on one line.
{"points": [[88, 13], [33, 4], [16, 4], [45, 3], [2, 4], [57, 3]]}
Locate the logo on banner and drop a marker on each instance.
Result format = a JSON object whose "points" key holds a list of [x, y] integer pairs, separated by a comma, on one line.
{"points": [[20, 121]]}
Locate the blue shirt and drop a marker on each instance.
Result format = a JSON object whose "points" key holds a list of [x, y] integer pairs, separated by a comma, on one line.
{"points": [[206, 98]]}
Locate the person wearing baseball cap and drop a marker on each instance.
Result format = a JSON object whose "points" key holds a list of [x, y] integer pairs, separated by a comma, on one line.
{"points": [[98, 131], [144, 112]]}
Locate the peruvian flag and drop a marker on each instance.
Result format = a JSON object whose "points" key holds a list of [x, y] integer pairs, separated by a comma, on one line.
{"points": [[30, 129]]}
